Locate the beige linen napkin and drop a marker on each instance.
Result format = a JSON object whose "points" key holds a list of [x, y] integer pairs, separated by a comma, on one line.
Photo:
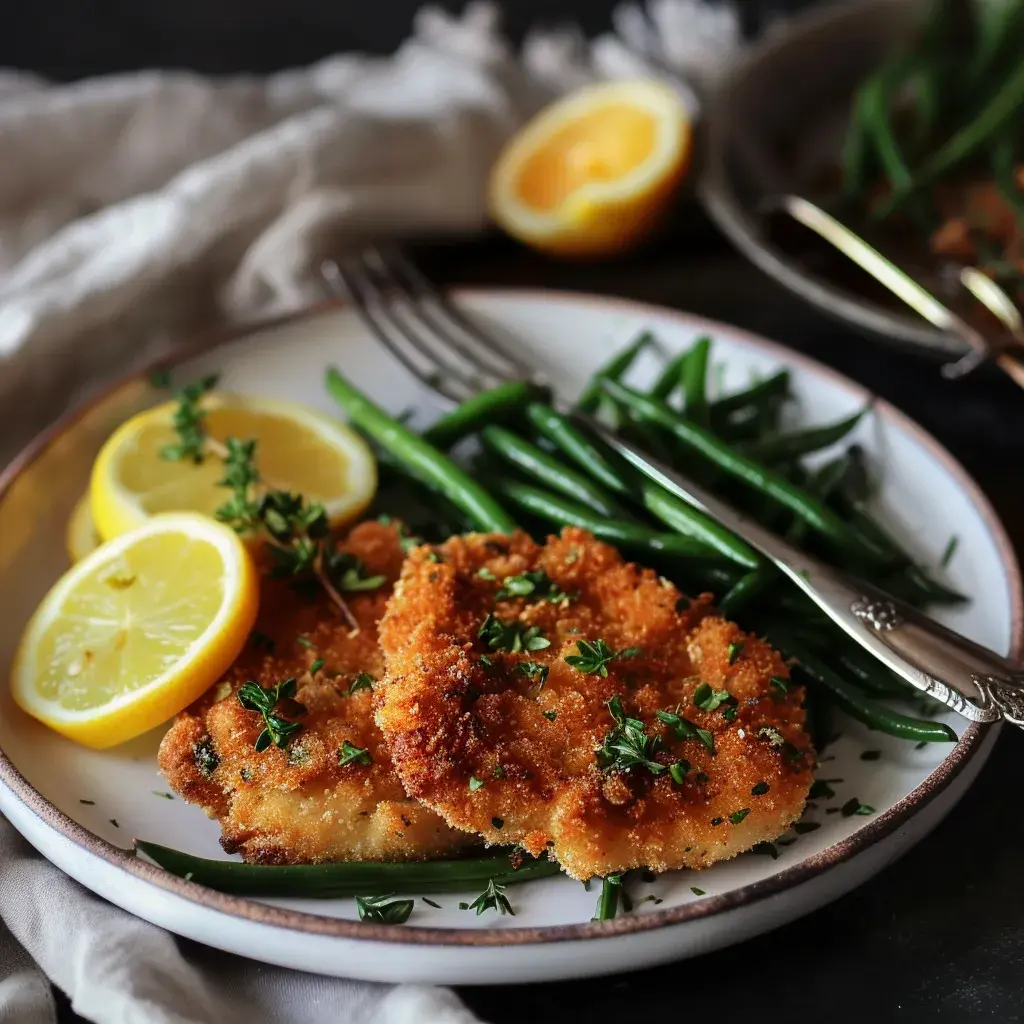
{"points": [[137, 207]]}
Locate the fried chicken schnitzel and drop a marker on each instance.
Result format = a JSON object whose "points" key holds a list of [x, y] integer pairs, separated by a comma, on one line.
{"points": [[557, 697], [301, 804]]}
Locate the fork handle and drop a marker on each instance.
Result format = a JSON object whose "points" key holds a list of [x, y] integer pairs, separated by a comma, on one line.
{"points": [[975, 682]]}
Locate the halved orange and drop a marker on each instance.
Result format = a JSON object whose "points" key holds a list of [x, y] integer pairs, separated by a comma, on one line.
{"points": [[591, 174]]}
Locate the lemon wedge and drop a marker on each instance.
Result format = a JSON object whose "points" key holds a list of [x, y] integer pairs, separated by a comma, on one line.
{"points": [[592, 173], [137, 630], [298, 450], [81, 537]]}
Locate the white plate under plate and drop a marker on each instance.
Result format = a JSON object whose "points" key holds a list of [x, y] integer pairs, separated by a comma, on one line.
{"points": [[45, 780]]}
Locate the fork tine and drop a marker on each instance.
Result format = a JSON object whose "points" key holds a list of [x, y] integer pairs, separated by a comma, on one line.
{"points": [[347, 285], [448, 321], [403, 312]]}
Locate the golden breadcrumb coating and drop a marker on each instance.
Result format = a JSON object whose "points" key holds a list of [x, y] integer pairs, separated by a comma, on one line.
{"points": [[453, 721], [298, 805]]}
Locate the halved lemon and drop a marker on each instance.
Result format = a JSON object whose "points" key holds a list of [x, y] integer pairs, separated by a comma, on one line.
{"points": [[591, 174], [298, 449], [137, 630], [81, 537]]}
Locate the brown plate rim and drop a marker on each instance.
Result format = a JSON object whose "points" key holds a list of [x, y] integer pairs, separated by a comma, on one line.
{"points": [[247, 909]]}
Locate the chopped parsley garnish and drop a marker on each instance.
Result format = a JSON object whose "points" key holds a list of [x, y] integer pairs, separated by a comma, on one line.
{"points": [[485, 574], [166, 796], [475, 783], [801, 828], [159, 380], [511, 636], [708, 699], [950, 550], [260, 639], [431, 903], [433, 556], [696, 891], [715, 822], [854, 806], [870, 755], [379, 911], [767, 849], [760, 789], [822, 789], [498, 822], [779, 687], [533, 584], [205, 757], [593, 658], [686, 730], [351, 754], [735, 650], [678, 771], [88, 803], [113, 821], [737, 816], [305, 642], [363, 681], [499, 771], [628, 745], [533, 670], [492, 898], [276, 729], [316, 666], [550, 715], [349, 573]]}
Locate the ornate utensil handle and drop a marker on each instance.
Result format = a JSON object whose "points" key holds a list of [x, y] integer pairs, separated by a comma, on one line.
{"points": [[977, 683]]}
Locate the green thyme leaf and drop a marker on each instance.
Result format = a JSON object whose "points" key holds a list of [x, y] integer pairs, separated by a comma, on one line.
{"points": [[492, 898], [735, 650], [475, 783], [379, 911], [628, 745], [511, 636], [686, 730], [594, 657], [351, 754]]}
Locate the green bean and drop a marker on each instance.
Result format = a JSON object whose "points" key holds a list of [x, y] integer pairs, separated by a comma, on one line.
{"points": [[870, 674], [608, 901], [671, 376], [493, 406], [819, 718], [689, 521], [606, 467], [823, 483], [563, 512], [616, 368], [964, 143], [353, 878], [765, 481], [856, 152], [425, 461], [1003, 166], [749, 588], [546, 468], [695, 382], [802, 442], [878, 113], [775, 386], [856, 703]]}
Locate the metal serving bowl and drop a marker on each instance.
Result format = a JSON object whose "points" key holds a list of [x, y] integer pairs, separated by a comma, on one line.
{"points": [[778, 123]]}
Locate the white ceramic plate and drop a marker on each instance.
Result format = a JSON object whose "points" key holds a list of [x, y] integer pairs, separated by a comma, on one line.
{"points": [[82, 808]]}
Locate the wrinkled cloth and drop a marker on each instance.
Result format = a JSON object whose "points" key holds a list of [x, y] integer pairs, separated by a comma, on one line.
{"points": [[137, 207]]}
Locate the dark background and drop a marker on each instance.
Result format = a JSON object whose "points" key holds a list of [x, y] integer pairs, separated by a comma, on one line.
{"points": [[938, 936]]}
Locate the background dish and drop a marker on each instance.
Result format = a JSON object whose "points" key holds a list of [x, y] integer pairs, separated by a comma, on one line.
{"points": [[45, 779], [777, 122]]}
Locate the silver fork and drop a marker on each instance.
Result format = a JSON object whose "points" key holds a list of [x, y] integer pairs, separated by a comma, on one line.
{"points": [[455, 358]]}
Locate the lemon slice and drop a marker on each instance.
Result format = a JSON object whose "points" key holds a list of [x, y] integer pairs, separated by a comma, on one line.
{"points": [[137, 630], [81, 537], [298, 450], [592, 173]]}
